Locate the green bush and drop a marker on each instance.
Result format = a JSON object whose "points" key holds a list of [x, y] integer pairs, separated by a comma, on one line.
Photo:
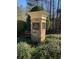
{"points": [[23, 51], [51, 49], [46, 51], [36, 8], [53, 46], [38, 53], [21, 26]]}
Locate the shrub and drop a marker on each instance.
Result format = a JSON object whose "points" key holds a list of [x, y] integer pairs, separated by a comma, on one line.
{"points": [[43, 51], [53, 50], [38, 53], [36, 8], [53, 46], [23, 51], [21, 27]]}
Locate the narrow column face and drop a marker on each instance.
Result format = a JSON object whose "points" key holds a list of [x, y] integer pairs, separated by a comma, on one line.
{"points": [[43, 30], [35, 30], [43, 25]]}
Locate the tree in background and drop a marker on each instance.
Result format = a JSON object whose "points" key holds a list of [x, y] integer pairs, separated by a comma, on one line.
{"points": [[36, 8], [28, 23], [47, 25], [58, 18], [58, 22], [32, 3]]}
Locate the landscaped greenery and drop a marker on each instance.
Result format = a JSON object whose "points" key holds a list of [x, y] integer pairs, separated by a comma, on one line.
{"points": [[21, 27], [49, 49], [23, 51]]}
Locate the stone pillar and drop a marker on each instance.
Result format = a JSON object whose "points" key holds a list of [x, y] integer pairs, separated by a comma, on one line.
{"points": [[38, 25]]}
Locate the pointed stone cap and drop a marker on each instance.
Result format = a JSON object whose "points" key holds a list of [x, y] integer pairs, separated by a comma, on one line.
{"points": [[38, 14]]}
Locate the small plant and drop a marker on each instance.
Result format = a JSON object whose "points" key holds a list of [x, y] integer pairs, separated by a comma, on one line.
{"points": [[23, 51]]}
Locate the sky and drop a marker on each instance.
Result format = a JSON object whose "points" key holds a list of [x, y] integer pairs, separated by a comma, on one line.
{"points": [[22, 2]]}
